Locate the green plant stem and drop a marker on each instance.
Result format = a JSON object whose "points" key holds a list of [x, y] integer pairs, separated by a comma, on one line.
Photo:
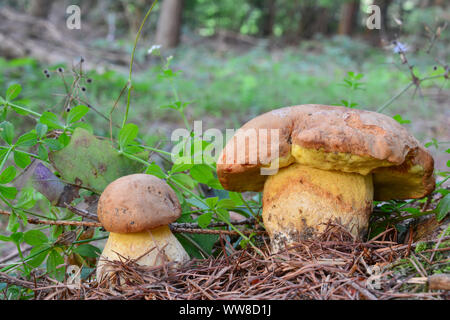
{"points": [[90, 240], [155, 150], [36, 114], [387, 103], [246, 204], [186, 122], [25, 152], [5, 158], [218, 214], [11, 266], [129, 83]]}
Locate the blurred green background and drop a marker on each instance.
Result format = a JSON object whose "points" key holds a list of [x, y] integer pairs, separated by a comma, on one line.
{"points": [[236, 59]]}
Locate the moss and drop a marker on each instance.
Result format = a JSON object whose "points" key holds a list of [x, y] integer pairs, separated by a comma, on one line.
{"points": [[421, 246]]}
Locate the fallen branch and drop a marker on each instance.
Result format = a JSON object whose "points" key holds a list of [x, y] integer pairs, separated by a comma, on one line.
{"points": [[173, 227]]}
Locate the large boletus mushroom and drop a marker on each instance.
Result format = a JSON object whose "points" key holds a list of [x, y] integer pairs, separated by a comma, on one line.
{"points": [[333, 162], [136, 210]]}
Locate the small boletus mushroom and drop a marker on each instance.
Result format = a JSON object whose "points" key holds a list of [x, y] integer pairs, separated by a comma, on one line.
{"points": [[136, 210], [333, 162]]}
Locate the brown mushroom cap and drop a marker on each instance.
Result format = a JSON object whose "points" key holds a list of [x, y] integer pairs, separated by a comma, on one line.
{"points": [[136, 203], [332, 138]]}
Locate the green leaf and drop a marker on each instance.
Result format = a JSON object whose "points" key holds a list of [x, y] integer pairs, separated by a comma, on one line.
{"points": [[196, 203], [223, 214], [27, 140], [180, 167], [51, 120], [127, 134], [226, 203], [205, 219], [91, 162], [8, 192], [413, 211], [443, 208], [155, 170], [13, 91], [26, 199], [3, 113], [8, 175], [35, 237], [17, 237], [39, 256], [22, 215], [215, 184], [77, 113], [21, 159], [212, 202], [133, 149], [64, 139], [13, 223], [53, 261], [7, 132], [41, 130], [4, 238], [183, 179], [202, 173], [3, 153], [87, 250], [53, 144], [205, 241], [169, 106], [42, 153], [400, 120], [236, 198]]}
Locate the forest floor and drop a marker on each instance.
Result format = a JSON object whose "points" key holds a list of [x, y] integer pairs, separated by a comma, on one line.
{"points": [[227, 86], [333, 267]]}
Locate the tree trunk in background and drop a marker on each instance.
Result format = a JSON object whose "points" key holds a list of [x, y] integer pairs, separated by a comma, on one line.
{"points": [[268, 18], [308, 11], [382, 36], [314, 19], [349, 13], [40, 8], [440, 3], [134, 13], [169, 23]]}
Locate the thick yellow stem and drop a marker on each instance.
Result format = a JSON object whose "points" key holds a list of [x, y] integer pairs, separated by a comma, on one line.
{"points": [[299, 200], [152, 247]]}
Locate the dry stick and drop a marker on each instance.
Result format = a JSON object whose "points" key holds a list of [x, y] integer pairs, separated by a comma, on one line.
{"points": [[437, 246], [4, 277], [173, 227], [15, 254], [81, 212]]}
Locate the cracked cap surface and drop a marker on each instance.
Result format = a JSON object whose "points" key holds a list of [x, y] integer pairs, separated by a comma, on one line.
{"points": [[330, 138]]}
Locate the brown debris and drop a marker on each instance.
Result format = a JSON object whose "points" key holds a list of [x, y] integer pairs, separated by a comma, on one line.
{"points": [[331, 267]]}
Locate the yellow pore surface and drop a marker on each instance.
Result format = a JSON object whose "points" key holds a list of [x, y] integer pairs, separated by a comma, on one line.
{"points": [[392, 184], [341, 161]]}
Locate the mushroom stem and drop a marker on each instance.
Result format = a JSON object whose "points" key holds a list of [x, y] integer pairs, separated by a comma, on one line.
{"points": [[299, 200], [152, 247]]}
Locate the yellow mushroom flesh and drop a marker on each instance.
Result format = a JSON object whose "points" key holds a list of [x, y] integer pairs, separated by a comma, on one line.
{"points": [[151, 248]]}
